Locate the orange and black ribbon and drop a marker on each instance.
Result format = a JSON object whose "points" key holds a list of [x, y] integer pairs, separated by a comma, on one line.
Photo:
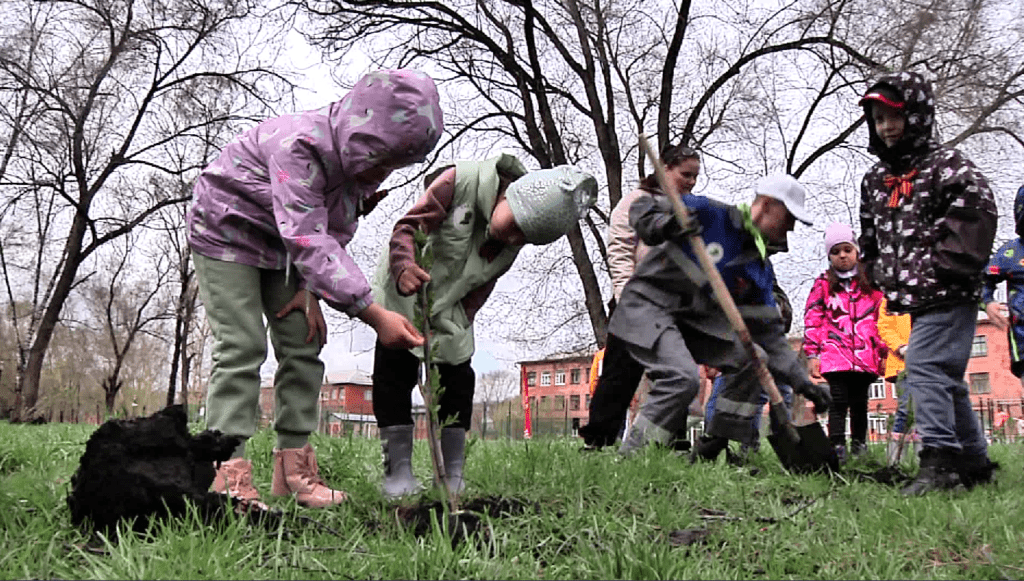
{"points": [[901, 187]]}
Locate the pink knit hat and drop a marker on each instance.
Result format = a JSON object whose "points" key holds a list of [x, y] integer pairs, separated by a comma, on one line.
{"points": [[837, 233]]}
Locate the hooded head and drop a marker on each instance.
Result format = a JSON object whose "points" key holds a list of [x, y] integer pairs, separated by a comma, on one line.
{"points": [[913, 96], [390, 118], [546, 203], [1018, 212]]}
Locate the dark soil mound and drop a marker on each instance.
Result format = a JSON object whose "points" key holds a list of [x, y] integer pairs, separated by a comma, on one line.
{"points": [[146, 467]]}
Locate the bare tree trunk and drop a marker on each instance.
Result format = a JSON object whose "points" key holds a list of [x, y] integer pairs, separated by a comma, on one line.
{"points": [[111, 387], [28, 381], [175, 359]]}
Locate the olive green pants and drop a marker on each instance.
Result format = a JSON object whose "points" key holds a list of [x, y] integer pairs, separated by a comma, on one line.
{"points": [[241, 304]]}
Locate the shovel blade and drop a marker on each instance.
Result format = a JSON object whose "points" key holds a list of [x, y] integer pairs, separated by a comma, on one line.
{"points": [[812, 453]]}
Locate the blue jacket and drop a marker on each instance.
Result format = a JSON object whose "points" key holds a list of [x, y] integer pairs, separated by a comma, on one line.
{"points": [[1007, 264], [669, 289], [731, 246]]}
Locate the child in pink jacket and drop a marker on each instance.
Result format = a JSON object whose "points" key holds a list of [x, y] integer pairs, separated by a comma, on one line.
{"points": [[841, 338], [268, 226]]}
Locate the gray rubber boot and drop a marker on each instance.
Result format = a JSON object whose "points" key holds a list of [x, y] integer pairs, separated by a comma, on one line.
{"points": [[453, 448], [641, 433], [396, 444]]}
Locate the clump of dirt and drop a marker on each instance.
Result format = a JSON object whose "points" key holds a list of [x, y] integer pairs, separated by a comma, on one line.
{"points": [[687, 537], [466, 523], [889, 475], [147, 467]]}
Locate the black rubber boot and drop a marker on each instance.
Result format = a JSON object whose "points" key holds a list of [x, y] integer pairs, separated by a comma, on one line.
{"points": [[975, 470], [594, 439], [938, 472], [858, 448], [708, 448]]}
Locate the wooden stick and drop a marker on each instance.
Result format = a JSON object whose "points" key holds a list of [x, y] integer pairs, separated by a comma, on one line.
{"points": [[719, 288]]}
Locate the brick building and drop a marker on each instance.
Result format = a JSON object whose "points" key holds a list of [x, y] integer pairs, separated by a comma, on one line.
{"points": [[993, 388], [558, 391]]}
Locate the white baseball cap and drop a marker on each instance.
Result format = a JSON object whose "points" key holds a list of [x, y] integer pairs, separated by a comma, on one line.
{"points": [[787, 190]]}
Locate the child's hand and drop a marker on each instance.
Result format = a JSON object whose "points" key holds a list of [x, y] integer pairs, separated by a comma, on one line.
{"points": [[411, 279], [814, 369], [995, 314], [307, 302], [394, 331]]}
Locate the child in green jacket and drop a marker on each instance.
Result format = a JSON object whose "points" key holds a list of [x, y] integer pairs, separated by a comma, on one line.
{"points": [[478, 215]]}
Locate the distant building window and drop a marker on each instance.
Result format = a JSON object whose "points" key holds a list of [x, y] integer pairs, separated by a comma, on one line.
{"points": [[979, 348], [545, 378], [574, 402], [877, 390], [560, 377], [980, 383], [559, 402], [368, 394], [878, 424], [533, 403], [543, 399], [574, 376], [531, 378], [587, 401]]}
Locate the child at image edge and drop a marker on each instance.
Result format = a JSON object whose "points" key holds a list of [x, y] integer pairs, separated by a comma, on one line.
{"points": [[928, 220], [268, 227]]}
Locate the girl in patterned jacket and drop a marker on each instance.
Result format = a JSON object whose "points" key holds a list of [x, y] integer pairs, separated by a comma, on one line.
{"points": [[841, 338], [268, 226]]}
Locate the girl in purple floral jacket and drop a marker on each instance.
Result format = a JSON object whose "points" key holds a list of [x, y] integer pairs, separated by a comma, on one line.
{"points": [[841, 338], [268, 226]]}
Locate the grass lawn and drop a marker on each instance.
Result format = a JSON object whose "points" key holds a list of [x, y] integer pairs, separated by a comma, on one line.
{"points": [[599, 517]]}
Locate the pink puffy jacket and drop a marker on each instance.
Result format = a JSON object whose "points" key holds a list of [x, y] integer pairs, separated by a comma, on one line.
{"points": [[841, 330]]}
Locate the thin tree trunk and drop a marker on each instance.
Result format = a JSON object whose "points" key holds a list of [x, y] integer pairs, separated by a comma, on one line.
{"points": [[28, 381]]}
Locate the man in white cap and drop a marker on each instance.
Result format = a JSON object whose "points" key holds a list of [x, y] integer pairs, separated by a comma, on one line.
{"points": [[668, 315], [478, 215]]}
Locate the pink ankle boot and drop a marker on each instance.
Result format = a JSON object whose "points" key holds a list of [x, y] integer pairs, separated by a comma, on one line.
{"points": [[234, 478], [296, 472]]}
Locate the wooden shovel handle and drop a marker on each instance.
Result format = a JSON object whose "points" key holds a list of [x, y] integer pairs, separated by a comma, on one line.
{"points": [[715, 277]]}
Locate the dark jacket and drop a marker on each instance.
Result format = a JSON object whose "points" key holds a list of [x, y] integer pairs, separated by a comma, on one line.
{"points": [[929, 246]]}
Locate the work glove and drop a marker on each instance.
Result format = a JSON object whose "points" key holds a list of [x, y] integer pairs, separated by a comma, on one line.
{"points": [[818, 393], [673, 231]]}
